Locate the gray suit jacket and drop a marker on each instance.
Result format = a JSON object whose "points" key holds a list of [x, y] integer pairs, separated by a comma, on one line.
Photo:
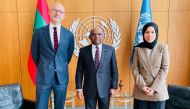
{"points": [[47, 60], [101, 80], [151, 72]]}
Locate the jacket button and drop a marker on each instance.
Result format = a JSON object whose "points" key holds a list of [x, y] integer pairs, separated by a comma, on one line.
{"points": [[144, 78]]}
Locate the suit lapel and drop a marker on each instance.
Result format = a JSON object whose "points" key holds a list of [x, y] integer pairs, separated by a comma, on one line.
{"points": [[154, 53], [89, 53], [47, 36], [61, 39], [145, 58], [104, 50]]}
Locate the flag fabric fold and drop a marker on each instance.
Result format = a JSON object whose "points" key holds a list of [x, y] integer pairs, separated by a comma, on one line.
{"points": [[145, 17], [41, 19]]}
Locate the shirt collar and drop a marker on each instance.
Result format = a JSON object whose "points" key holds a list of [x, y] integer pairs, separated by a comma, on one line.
{"points": [[52, 25], [94, 46]]}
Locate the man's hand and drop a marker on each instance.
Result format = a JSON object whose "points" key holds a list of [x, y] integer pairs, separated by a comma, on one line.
{"points": [[112, 92], [80, 94]]}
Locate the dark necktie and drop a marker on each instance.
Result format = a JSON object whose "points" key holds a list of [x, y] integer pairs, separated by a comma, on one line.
{"points": [[55, 38], [97, 58]]}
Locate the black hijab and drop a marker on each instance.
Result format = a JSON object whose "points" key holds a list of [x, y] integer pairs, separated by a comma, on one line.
{"points": [[146, 44]]}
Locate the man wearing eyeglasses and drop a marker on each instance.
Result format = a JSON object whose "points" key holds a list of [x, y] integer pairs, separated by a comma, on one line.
{"points": [[52, 48], [97, 73]]}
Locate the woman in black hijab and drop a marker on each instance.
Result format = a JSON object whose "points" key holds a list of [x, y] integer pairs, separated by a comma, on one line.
{"points": [[147, 43], [150, 67]]}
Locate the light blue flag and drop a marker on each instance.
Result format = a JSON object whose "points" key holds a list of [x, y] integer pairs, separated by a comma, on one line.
{"points": [[145, 17]]}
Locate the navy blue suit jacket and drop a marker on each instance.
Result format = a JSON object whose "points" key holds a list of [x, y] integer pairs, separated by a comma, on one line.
{"points": [[47, 60], [101, 80]]}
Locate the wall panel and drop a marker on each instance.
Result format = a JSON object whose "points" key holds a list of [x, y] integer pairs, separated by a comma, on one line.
{"points": [[80, 6], [26, 5], [179, 5], [8, 6], [156, 5], [112, 5], [25, 33], [179, 44], [9, 46], [17, 18]]}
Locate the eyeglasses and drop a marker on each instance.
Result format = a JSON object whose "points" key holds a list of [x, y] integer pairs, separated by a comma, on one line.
{"points": [[94, 34], [57, 10]]}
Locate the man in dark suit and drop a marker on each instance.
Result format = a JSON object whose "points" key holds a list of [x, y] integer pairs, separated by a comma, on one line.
{"points": [[52, 48], [97, 64]]}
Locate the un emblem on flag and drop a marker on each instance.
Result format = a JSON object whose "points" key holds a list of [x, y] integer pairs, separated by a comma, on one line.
{"points": [[144, 18], [81, 30]]}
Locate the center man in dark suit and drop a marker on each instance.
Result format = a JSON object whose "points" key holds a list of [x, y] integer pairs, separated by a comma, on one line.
{"points": [[52, 49], [97, 71]]}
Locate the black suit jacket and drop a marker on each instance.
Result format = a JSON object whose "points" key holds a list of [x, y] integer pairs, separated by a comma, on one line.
{"points": [[101, 80]]}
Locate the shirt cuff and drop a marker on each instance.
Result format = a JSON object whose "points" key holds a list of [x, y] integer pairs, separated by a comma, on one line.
{"points": [[79, 89]]}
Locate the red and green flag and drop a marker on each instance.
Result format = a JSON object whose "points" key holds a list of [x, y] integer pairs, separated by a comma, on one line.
{"points": [[41, 19]]}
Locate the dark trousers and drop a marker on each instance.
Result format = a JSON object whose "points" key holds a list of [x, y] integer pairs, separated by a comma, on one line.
{"points": [[141, 104], [43, 93], [103, 103]]}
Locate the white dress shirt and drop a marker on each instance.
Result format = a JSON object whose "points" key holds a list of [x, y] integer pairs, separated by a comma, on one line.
{"points": [[51, 30]]}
